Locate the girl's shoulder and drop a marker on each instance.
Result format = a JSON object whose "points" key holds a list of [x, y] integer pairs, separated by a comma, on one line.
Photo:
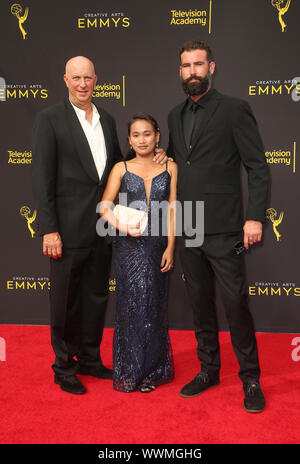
{"points": [[172, 167], [118, 168]]}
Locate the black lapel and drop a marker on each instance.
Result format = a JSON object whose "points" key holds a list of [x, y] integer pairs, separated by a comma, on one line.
{"points": [[81, 143], [180, 142], [211, 107], [106, 127]]}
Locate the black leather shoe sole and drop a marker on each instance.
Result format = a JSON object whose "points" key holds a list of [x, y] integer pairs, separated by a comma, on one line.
{"points": [[71, 385], [254, 410]]}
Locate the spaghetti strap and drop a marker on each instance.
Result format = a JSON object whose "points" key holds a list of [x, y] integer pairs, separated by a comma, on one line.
{"points": [[125, 165], [167, 165]]}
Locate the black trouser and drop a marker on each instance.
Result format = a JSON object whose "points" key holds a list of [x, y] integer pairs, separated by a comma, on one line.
{"points": [[78, 299], [216, 258]]}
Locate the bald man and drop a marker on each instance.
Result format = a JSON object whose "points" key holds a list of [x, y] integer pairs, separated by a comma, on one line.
{"points": [[75, 145]]}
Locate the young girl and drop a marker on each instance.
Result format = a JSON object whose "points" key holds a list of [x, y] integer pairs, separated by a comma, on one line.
{"points": [[142, 354]]}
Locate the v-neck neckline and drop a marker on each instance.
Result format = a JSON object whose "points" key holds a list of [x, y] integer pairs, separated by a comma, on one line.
{"points": [[142, 178]]}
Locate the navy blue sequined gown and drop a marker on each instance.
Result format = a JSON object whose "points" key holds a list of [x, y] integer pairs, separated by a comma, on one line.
{"points": [[142, 351]]}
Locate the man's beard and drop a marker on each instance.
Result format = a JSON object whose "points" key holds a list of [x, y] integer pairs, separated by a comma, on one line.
{"points": [[197, 87]]}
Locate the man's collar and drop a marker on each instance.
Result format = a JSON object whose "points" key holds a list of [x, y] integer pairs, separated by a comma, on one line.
{"points": [[201, 101], [81, 112]]}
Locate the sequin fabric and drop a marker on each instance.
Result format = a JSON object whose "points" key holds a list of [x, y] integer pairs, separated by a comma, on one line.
{"points": [[142, 351]]}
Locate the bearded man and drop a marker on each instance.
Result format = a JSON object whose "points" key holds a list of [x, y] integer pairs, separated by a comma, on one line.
{"points": [[211, 135]]}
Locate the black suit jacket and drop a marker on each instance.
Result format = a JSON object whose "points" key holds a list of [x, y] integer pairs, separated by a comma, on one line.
{"points": [[211, 170], [66, 184]]}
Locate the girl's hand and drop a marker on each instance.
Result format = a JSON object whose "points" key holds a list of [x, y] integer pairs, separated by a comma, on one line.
{"points": [[134, 230], [167, 260]]}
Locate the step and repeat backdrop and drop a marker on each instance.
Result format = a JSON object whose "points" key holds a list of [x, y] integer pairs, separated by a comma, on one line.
{"points": [[134, 46]]}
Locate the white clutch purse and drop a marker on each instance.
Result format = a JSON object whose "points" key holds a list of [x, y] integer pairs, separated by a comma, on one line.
{"points": [[126, 215]]}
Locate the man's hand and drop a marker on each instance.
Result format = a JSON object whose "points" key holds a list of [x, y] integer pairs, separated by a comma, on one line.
{"points": [[52, 245], [252, 233], [160, 156]]}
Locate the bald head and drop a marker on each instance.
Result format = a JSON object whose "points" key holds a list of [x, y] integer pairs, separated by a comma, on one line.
{"points": [[80, 78], [79, 62]]}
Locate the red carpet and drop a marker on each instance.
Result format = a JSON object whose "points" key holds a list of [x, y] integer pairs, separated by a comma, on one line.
{"points": [[35, 410]]}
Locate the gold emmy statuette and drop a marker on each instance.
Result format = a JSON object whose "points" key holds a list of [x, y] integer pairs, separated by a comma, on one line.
{"points": [[271, 214], [16, 10], [25, 211], [281, 10]]}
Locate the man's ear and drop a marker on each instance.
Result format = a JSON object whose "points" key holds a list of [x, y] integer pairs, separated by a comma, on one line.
{"points": [[212, 67]]}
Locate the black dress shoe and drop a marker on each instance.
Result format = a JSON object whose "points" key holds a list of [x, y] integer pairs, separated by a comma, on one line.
{"points": [[254, 398], [70, 384], [199, 384], [101, 372]]}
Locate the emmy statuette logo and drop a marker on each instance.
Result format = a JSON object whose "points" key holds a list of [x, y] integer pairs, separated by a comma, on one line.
{"points": [[282, 9], [271, 214], [25, 211], [16, 10]]}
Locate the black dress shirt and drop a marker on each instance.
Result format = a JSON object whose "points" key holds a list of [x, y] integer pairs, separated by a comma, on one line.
{"points": [[192, 116]]}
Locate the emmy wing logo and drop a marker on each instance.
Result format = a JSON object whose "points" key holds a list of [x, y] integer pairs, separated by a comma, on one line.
{"points": [[282, 9], [16, 10], [25, 211], [271, 214]]}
